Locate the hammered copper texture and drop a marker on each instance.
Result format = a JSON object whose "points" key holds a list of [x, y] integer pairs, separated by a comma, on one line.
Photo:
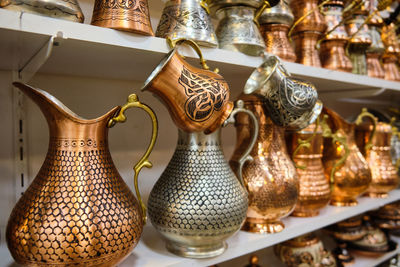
{"points": [[78, 211], [271, 178], [197, 201], [305, 43], [276, 41]]}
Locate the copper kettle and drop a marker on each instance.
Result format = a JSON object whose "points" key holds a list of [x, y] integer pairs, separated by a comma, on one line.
{"points": [[345, 166]]}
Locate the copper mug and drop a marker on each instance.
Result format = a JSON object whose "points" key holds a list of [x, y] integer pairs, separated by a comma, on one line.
{"points": [[345, 166], [291, 103], [197, 99], [189, 19], [78, 211], [270, 178], [384, 172], [314, 189], [131, 16]]}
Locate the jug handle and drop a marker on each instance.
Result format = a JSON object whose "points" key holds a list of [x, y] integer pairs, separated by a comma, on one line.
{"points": [[327, 132], [133, 101], [239, 107], [259, 11], [306, 143], [195, 46], [365, 113], [204, 4]]}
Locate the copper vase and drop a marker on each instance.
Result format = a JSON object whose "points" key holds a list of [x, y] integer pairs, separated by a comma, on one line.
{"points": [[392, 50], [314, 189], [270, 178], [352, 177], [276, 41], [384, 173], [131, 16], [374, 66], [78, 211], [305, 43], [334, 41], [197, 99]]}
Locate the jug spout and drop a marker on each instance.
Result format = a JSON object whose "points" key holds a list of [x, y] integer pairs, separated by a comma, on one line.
{"points": [[61, 119]]}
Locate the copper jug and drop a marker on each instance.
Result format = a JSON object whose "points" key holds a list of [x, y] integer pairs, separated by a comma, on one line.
{"points": [[314, 190], [78, 210], [332, 44], [384, 173], [197, 99], [392, 49], [308, 27], [270, 178], [130, 16], [274, 27], [345, 166]]}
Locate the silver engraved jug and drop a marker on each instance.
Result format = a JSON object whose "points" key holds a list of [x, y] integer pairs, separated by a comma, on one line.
{"points": [[237, 30], [198, 202], [291, 103], [188, 19]]}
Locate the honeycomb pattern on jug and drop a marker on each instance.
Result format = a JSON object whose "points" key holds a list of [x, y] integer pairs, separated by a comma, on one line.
{"points": [[78, 210], [197, 194]]}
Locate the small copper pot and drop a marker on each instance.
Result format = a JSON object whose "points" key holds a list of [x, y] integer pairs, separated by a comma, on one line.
{"points": [[374, 65], [333, 55], [131, 16], [384, 173], [197, 99], [305, 43], [313, 22], [314, 189], [276, 41], [392, 72]]}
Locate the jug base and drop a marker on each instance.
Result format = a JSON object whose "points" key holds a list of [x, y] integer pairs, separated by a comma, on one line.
{"points": [[344, 202], [376, 195], [197, 252], [305, 213], [266, 227]]}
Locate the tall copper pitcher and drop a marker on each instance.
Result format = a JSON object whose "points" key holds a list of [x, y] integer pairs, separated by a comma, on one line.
{"points": [[345, 166], [270, 178], [314, 190], [384, 173], [78, 210]]}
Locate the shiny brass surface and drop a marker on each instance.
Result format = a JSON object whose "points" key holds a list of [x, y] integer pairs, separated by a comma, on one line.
{"points": [[62, 9], [384, 173], [306, 250], [347, 230], [276, 41], [352, 178], [305, 43], [78, 210], [131, 16], [189, 19], [197, 99], [314, 188], [198, 202], [270, 178]]}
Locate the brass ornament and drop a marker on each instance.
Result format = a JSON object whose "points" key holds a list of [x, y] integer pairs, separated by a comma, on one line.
{"points": [[78, 210]]}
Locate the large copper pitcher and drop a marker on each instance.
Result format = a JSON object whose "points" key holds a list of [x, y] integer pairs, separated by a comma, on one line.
{"points": [[197, 99], [345, 166], [384, 173], [270, 178], [314, 190], [78, 210]]}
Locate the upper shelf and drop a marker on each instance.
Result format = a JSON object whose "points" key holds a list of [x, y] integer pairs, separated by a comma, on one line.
{"points": [[86, 50]]}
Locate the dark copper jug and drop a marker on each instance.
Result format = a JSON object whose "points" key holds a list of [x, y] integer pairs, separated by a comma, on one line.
{"points": [[131, 16], [270, 178], [78, 211], [345, 166]]}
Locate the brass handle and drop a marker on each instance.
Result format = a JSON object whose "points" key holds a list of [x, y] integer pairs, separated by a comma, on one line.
{"points": [[239, 107], [336, 138], [133, 101], [259, 11], [306, 144], [297, 22], [204, 4], [365, 113], [194, 45]]}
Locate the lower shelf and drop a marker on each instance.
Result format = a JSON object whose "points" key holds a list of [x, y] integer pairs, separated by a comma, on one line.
{"points": [[151, 249]]}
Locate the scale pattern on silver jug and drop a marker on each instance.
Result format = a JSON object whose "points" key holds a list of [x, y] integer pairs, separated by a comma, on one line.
{"points": [[197, 201]]}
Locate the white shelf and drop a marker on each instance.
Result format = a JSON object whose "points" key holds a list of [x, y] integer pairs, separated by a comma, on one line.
{"points": [[91, 51], [151, 249]]}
